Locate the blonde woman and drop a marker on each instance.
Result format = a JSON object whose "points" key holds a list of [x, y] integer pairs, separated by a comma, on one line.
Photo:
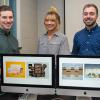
{"points": [[53, 42]]}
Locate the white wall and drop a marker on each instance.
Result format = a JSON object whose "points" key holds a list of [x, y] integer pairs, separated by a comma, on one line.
{"points": [[27, 25]]}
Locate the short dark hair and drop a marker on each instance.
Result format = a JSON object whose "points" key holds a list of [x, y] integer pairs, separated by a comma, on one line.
{"points": [[5, 8], [91, 5]]}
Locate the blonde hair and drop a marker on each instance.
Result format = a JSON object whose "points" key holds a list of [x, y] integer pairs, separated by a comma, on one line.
{"points": [[53, 11]]}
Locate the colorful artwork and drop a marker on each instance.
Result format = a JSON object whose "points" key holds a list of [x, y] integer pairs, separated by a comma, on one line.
{"points": [[92, 71], [37, 70], [72, 71], [15, 69]]}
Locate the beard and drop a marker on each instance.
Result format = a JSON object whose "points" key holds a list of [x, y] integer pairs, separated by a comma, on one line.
{"points": [[89, 22]]}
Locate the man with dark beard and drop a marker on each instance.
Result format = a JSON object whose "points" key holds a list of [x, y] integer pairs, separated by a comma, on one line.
{"points": [[87, 41]]}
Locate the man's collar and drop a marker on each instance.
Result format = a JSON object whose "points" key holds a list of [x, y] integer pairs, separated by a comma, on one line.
{"points": [[4, 32], [92, 29], [55, 34]]}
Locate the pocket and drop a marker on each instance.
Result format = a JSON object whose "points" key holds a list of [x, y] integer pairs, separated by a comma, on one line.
{"points": [[54, 47]]}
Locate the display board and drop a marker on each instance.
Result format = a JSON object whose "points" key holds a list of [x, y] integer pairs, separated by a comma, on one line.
{"points": [[78, 75], [27, 73]]}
